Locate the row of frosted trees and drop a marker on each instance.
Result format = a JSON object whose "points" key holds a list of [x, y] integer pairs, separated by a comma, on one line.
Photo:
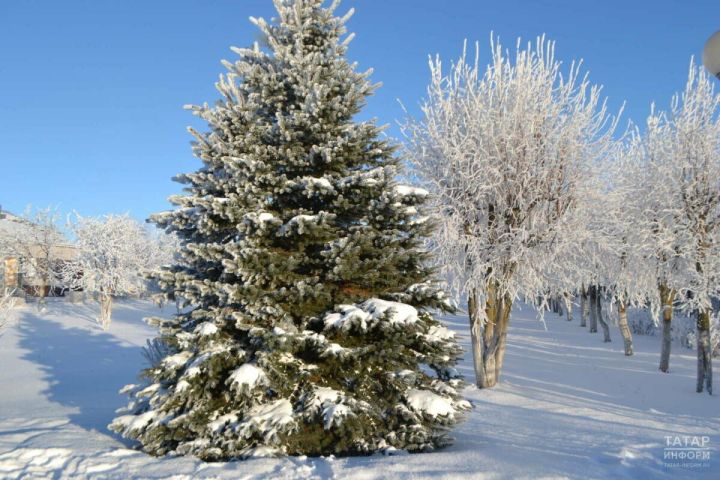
{"points": [[538, 198]]}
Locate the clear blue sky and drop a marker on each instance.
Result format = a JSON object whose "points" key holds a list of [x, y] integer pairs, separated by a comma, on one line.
{"points": [[91, 91]]}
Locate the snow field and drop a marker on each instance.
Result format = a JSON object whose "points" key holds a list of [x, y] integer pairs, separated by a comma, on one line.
{"points": [[568, 406]]}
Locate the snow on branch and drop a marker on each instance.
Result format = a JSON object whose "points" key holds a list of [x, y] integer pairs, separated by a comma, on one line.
{"points": [[370, 312]]}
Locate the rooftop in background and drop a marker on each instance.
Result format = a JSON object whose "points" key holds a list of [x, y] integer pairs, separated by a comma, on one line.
{"points": [[11, 223], [14, 226], [6, 214]]}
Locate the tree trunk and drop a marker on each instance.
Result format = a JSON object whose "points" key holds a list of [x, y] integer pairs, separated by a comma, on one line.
{"points": [[704, 353], [489, 337], [593, 300], [666, 300], [476, 339], [105, 310], [567, 298], [600, 318], [503, 322], [489, 340], [44, 289], [41, 292], [584, 307], [624, 328]]}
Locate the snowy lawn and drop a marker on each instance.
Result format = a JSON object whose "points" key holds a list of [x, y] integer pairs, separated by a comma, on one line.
{"points": [[568, 406]]}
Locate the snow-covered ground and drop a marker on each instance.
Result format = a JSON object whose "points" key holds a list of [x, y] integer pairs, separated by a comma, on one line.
{"points": [[568, 406]]}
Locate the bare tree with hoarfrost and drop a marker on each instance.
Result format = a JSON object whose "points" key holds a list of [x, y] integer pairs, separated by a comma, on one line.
{"points": [[39, 245], [505, 151], [695, 148], [577, 264], [620, 240], [679, 190], [598, 254], [112, 253], [654, 201]]}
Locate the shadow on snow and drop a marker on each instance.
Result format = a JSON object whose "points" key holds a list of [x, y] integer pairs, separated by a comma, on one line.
{"points": [[81, 367]]}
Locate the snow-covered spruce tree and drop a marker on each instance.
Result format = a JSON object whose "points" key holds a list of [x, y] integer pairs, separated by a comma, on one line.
{"points": [[308, 328]]}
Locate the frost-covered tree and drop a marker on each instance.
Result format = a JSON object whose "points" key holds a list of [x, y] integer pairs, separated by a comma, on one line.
{"points": [[308, 327], [579, 263], [623, 253], [653, 202], [679, 190], [36, 242], [112, 253], [504, 151], [695, 151]]}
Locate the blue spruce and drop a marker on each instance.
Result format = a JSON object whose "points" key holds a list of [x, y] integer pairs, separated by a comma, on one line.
{"points": [[308, 326]]}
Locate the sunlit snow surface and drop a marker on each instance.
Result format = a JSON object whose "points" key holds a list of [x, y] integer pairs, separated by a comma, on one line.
{"points": [[568, 406]]}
